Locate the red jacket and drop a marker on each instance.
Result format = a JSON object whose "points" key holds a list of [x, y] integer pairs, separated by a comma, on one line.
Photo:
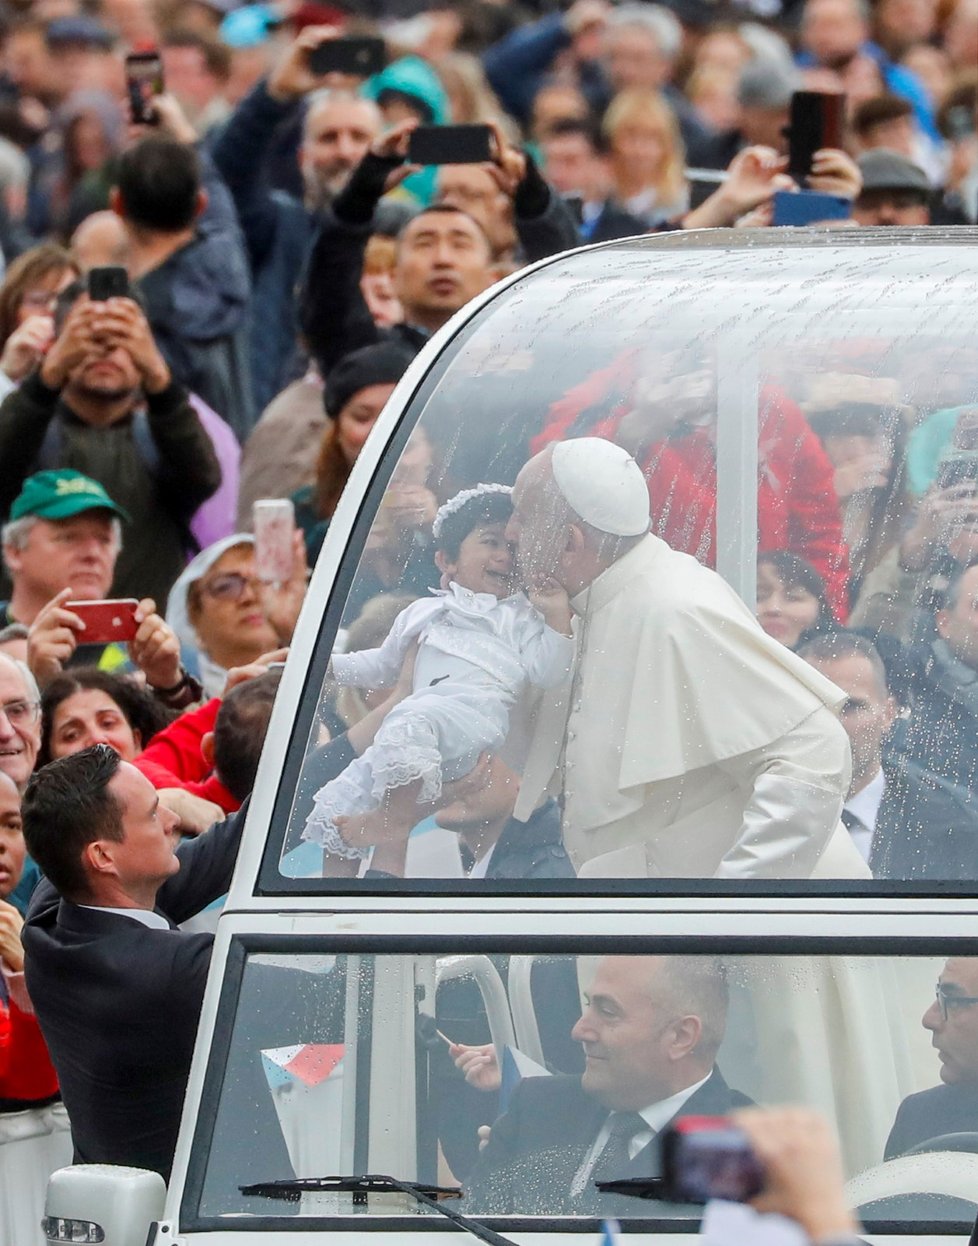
{"points": [[797, 508], [26, 1072], [174, 759]]}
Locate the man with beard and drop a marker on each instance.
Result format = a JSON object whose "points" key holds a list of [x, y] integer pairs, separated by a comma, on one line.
{"points": [[104, 403], [337, 130]]}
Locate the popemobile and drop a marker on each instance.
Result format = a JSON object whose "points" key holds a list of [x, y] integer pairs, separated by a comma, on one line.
{"points": [[636, 895]]}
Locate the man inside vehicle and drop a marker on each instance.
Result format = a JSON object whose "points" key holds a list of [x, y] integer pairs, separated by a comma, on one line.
{"points": [[650, 1029], [952, 1107]]}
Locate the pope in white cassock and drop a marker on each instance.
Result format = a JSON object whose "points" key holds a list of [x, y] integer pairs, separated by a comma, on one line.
{"points": [[687, 743]]}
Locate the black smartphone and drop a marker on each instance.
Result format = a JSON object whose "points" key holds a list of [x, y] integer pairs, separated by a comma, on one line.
{"points": [[359, 55], [707, 1157], [451, 144], [144, 81], [816, 121], [107, 283]]}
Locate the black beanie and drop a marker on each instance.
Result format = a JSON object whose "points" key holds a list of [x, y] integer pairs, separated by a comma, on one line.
{"points": [[382, 364]]}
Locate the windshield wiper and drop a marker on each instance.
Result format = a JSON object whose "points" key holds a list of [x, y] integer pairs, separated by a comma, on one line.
{"points": [[291, 1190], [634, 1187]]}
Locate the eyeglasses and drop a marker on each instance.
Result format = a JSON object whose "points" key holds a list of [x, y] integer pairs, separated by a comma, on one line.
{"points": [[946, 1001], [21, 713], [230, 586]]}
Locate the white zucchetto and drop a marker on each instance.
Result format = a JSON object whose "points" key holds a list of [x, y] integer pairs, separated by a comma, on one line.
{"points": [[602, 484]]}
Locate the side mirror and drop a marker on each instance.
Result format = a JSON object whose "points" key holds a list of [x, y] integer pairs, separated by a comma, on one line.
{"points": [[102, 1203]]}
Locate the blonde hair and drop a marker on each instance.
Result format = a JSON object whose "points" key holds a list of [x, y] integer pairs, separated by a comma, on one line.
{"points": [[380, 255], [647, 109]]}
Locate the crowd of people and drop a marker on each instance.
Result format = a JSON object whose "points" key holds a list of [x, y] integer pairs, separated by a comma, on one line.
{"points": [[208, 301]]}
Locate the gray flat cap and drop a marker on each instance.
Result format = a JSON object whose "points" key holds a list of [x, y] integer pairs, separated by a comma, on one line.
{"points": [[883, 169]]}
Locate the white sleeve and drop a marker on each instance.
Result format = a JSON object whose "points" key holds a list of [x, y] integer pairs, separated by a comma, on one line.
{"points": [[549, 657], [379, 668], [795, 790]]}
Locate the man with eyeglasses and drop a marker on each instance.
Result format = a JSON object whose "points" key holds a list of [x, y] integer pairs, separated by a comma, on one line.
{"points": [[20, 738], [20, 727], [952, 1107]]}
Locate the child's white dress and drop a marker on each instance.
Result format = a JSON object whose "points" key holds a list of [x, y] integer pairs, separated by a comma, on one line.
{"points": [[477, 654]]}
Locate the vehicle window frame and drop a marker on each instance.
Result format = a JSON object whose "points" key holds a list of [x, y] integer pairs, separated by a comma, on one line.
{"points": [[243, 945]]}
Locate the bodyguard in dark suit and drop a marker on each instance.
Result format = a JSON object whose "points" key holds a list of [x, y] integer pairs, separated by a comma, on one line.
{"points": [[952, 1107], [116, 987], [650, 1032]]}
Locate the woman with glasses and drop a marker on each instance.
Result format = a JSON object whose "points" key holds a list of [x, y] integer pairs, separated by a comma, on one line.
{"points": [[27, 305], [219, 608]]}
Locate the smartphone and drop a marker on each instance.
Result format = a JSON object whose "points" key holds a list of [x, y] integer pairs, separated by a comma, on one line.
{"points": [[707, 1157], [815, 121], [273, 523], [451, 144], [359, 55], [107, 283], [808, 207], [106, 621], [144, 81]]}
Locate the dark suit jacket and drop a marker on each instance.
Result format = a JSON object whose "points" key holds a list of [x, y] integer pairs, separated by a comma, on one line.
{"points": [[119, 1003], [537, 1147], [941, 1110]]}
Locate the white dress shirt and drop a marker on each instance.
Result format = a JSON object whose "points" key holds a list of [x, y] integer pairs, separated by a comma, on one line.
{"points": [[865, 806], [656, 1116], [155, 921]]}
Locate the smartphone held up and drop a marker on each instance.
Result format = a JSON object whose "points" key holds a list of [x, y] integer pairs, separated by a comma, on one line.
{"points": [[106, 621], [451, 144], [144, 82], [273, 522], [359, 56], [706, 1158]]}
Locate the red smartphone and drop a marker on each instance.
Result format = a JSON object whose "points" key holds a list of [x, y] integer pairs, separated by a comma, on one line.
{"points": [[106, 621], [707, 1157]]}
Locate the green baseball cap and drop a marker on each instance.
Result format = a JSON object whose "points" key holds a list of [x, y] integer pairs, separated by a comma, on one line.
{"points": [[61, 494]]}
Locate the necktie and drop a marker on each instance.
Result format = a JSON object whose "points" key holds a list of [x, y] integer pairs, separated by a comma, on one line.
{"points": [[614, 1159]]}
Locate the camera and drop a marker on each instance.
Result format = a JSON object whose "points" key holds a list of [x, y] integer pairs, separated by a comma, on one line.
{"points": [[708, 1157]]}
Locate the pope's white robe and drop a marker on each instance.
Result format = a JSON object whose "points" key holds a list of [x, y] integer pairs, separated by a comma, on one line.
{"points": [[689, 743]]}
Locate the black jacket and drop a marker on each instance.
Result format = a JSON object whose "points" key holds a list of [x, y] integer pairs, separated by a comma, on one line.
{"points": [[537, 1147], [927, 826], [198, 303], [38, 430], [119, 1004], [333, 315], [932, 1113]]}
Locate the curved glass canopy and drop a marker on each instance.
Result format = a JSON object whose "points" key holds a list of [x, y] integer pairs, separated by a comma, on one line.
{"points": [[804, 409]]}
